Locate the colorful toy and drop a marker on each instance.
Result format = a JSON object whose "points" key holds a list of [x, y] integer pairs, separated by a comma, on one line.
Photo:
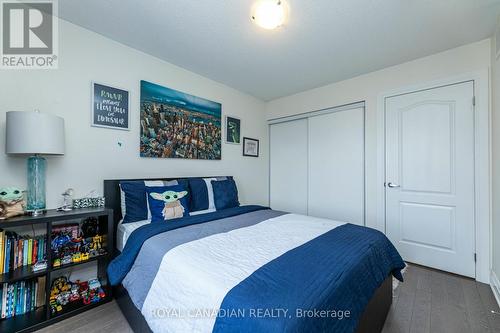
{"points": [[94, 284], [54, 307], [63, 298], [59, 294], [173, 208], [40, 265], [63, 292], [101, 293], [85, 256], [97, 242], [84, 292], [59, 241], [75, 294], [77, 257], [12, 202], [94, 296], [57, 262], [66, 260]]}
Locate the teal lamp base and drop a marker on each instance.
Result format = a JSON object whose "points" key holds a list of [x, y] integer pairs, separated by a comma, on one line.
{"points": [[37, 166]]}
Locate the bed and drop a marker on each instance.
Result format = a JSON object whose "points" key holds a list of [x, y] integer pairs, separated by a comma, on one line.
{"points": [[250, 269]]}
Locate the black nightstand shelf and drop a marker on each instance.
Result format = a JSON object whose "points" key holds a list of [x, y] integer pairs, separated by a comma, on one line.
{"points": [[42, 316]]}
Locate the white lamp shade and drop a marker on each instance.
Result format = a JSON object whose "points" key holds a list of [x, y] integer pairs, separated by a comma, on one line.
{"points": [[34, 133]]}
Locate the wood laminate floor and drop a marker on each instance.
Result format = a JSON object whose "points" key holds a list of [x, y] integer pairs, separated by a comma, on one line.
{"points": [[429, 301]]}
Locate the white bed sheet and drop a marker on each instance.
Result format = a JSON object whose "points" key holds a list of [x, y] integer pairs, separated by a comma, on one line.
{"points": [[124, 231]]}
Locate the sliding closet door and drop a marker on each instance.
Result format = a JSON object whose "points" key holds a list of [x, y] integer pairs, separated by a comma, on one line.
{"points": [[288, 166], [336, 166]]}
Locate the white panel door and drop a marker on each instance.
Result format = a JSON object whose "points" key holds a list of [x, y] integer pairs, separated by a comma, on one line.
{"points": [[288, 166], [336, 166], [430, 177]]}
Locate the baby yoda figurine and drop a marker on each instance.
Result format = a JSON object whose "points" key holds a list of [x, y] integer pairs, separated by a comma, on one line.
{"points": [[11, 202], [173, 208]]}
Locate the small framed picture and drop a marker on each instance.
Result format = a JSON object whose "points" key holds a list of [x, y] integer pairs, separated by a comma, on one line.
{"points": [[233, 130], [250, 147], [110, 107]]}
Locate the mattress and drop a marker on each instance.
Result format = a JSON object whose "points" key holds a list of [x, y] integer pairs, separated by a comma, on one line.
{"points": [[124, 231]]}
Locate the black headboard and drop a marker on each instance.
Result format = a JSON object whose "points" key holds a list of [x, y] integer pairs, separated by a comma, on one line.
{"points": [[113, 200]]}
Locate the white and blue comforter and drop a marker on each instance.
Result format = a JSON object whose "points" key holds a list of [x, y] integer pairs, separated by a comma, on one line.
{"points": [[252, 269]]}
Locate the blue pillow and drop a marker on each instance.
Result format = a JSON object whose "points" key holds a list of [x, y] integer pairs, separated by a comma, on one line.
{"points": [[167, 202], [136, 207], [136, 202], [225, 194], [199, 194]]}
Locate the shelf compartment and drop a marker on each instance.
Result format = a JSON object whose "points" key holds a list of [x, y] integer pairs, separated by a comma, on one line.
{"points": [[24, 322], [21, 273], [78, 306], [79, 263]]}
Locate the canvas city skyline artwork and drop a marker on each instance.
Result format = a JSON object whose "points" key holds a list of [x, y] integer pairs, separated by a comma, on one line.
{"points": [[178, 125]]}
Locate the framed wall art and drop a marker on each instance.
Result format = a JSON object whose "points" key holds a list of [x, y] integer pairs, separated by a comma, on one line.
{"points": [[178, 125], [233, 130], [250, 147]]}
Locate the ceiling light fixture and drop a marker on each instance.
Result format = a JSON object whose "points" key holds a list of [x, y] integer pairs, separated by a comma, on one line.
{"points": [[269, 14]]}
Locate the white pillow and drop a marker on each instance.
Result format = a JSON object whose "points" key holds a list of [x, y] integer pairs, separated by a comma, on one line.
{"points": [[122, 202], [211, 202]]}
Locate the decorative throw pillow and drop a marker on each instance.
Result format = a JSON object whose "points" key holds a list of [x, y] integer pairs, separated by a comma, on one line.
{"points": [[225, 194], [199, 194], [202, 194], [136, 207], [167, 202], [134, 202]]}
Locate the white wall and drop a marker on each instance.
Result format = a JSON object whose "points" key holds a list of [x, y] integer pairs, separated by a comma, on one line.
{"points": [[368, 87], [495, 82], [93, 154]]}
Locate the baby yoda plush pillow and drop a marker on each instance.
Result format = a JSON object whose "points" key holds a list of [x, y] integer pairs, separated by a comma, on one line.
{"points": [[167, 202]]}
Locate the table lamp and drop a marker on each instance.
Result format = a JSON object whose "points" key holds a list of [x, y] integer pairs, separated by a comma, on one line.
{"points": [[35, 134]]}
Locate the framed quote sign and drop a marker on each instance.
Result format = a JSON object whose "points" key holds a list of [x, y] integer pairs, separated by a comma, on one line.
{"points": [[110, 107]]}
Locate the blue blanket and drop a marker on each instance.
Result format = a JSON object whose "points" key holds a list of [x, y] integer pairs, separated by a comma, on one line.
{"points": [[338, 272], [120, 266], [322, 285]]}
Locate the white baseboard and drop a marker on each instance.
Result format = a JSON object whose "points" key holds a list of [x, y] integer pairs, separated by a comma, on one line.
{"points": [[495, 286]]}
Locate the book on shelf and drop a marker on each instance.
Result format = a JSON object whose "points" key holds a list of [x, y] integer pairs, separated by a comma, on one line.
{"points": [[17, 251], [21, 297], [2, 234]]}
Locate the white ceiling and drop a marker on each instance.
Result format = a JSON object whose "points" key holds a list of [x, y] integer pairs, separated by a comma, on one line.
{"points": [[324, 41]]}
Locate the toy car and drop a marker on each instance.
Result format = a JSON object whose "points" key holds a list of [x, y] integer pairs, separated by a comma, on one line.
{"points": [[94, 253], [63, 298], [101, 293], [66, 260], [85, 256], [75, 295], [84, 286], [60, 241], [77, 257], [54, 307], [40, 266], [57, 262], [94, 284]]}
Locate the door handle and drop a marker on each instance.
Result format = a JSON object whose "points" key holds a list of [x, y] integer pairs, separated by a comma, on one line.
{"points": [[392, 185]]}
